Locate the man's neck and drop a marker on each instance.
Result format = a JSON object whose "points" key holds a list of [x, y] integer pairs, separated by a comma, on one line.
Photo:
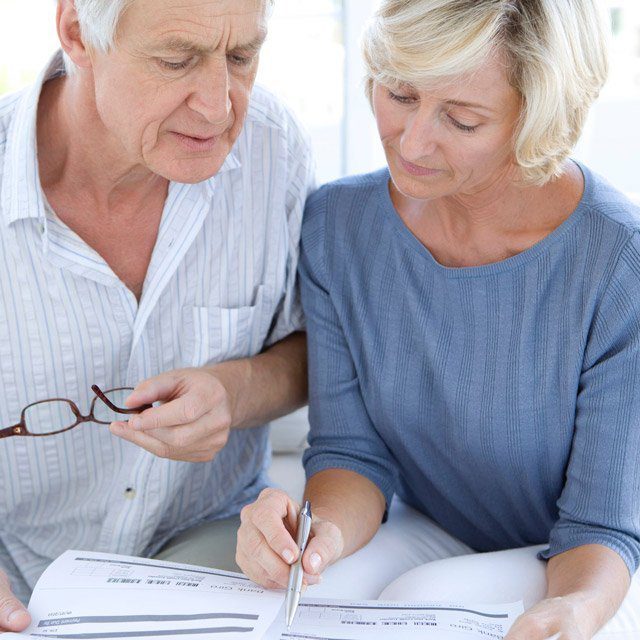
{"points": [[76, 152]]}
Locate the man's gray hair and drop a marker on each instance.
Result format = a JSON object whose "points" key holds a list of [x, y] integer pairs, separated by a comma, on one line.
{"points": [[99, 23]]}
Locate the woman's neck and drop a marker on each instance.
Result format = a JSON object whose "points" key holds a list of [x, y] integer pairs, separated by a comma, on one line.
{"points": [[492, 224]]}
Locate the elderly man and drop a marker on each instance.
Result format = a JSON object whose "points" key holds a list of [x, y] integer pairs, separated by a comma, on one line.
{"points": [[150, 213]]}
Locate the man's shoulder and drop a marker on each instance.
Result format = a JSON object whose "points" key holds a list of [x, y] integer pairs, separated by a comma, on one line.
{"points": [[8, 106], [268, 113]]}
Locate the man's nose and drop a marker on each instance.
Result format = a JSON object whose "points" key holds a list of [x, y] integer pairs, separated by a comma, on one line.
{"points": [[420, 136], [210, 97]]}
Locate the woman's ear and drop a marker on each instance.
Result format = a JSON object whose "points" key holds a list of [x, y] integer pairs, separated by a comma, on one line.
{"points": [[68, 28]]}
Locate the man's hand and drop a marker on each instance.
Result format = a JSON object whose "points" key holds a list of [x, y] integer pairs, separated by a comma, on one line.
{"points": [[193, 418], [559, 618], [267, 547], [13, 616]]}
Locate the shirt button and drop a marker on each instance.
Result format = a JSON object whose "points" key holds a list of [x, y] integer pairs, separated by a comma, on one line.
{"points": [[129, 493], [41, 227]]}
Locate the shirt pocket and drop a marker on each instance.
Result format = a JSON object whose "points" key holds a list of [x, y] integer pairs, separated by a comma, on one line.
{"points": [[215, 334]]}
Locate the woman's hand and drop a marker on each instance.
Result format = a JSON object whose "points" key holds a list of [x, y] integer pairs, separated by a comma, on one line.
{"points": [[267, 546], [561, 618], [13, 615]]}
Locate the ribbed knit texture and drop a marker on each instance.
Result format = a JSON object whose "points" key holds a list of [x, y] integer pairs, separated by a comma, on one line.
{"points": [[503, 400]]}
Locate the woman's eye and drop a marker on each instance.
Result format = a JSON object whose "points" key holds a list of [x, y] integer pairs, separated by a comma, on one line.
{"points": [[175, 66], [400, 98], [463, 127]]}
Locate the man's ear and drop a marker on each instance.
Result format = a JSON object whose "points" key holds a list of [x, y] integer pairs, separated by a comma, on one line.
{"points": [[69, 34]]}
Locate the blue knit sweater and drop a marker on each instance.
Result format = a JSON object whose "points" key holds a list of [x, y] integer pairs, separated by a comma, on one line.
{"points": [[503, 401]]}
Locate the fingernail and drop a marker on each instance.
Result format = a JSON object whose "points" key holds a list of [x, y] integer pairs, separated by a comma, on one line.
{"points": [[288, 556], [13, 616], [315, 561], [118, 427]]}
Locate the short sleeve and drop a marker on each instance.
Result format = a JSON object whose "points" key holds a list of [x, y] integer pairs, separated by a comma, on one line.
{"points": [[600, 502], [342, 435]]}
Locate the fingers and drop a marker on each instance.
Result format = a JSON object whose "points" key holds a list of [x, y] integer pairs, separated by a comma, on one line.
{"points": [[13, 615], [193, 423], [197, 442], [266, 547]]}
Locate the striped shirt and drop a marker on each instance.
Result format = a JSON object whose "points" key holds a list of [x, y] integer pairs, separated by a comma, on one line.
{"points": [[503, 401], [221, 284]]}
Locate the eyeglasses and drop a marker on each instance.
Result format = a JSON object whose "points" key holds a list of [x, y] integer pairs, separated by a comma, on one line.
{"points": [[57, 415]]}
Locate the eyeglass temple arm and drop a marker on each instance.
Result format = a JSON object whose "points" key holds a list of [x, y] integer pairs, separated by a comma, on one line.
{"points": [[96, 389], [16, 430]]}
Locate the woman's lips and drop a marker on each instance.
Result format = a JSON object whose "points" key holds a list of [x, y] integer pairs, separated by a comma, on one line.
{"points": [[417, 170], [194, 143]]}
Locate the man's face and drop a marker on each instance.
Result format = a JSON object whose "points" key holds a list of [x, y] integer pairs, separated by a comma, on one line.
{"points": [[173, 91]]}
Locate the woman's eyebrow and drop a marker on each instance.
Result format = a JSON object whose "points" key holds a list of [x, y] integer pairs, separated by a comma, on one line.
{"points": [[470, 105]]}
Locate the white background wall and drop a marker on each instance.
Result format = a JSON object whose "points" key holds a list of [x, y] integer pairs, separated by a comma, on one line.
{"points": [[312, 60]]}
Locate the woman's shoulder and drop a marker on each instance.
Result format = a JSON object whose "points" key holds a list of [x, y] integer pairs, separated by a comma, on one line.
{"points": [[609, 205], [341, 196], [334, 215]]}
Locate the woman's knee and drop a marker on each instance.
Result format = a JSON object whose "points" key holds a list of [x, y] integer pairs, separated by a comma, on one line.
{"points": [[495, 577]]}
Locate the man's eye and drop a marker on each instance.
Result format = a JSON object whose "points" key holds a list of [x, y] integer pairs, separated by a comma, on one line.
{"points": [[238, 60], [175, 66]]}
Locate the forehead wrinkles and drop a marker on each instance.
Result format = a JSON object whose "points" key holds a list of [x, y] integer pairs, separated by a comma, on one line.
{"points": [[212, 24]]}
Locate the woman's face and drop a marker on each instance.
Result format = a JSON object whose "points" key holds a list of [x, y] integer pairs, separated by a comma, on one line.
{"points": [[454, 139]]}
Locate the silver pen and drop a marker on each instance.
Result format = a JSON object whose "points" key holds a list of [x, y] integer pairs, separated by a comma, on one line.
{"points": [[296, 571]]}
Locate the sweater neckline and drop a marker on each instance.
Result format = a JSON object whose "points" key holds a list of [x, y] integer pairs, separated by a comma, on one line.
{"points": [[513, 262]]}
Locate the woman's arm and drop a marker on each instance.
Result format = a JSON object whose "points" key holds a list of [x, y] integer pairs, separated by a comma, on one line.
{"points": [[586, 586], [347, 510]]}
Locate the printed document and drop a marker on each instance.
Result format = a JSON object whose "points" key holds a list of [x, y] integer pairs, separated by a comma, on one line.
{"points": [[96, 596]]}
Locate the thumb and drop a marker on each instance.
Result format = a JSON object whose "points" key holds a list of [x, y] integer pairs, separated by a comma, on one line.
{"points": [[13, 615], [160, 387], [323, 549]]}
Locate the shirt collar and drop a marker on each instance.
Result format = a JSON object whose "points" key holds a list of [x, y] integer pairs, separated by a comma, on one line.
{"points": [[22, 195], [21, 191]]}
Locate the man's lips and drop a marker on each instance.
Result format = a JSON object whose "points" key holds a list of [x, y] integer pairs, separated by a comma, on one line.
{"points": [[196, 143]]}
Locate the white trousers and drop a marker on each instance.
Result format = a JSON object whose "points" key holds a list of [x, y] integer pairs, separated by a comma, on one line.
{"points": [[411, 558]]}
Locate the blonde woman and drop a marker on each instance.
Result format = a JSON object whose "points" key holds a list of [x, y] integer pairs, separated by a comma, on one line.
{"points": [[474, 333]]}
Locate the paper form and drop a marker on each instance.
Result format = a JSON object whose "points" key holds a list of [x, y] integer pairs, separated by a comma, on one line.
{"points": [[340, 620], [98, 596], [90, 596]]}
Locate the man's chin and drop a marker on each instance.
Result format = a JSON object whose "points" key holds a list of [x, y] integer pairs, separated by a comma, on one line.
{"points": [[188, 171]]}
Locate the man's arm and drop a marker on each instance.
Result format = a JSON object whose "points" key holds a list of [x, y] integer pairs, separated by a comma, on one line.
{"points": [[586, 586], [200, 406], [267, 386]]}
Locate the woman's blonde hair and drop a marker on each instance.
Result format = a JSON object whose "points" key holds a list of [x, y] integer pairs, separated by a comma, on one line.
{"points": [[556, 51]]}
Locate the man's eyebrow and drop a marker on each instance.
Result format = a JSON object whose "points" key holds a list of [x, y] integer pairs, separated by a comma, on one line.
{"points": [[182, 45], [253, 46]]}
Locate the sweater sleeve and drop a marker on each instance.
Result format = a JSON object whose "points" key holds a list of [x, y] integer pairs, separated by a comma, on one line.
{"points": [[600, 502], [342, 434]]}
